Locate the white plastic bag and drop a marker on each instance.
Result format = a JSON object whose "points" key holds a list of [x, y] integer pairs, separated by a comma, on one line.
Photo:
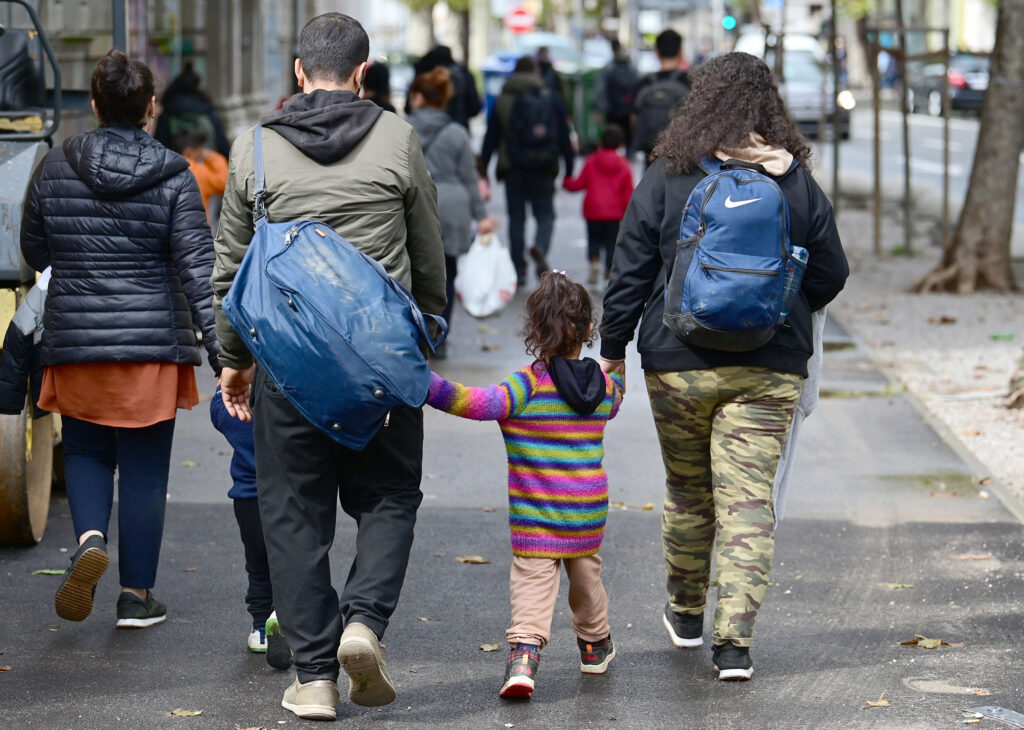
{"points": [[487, 280]]}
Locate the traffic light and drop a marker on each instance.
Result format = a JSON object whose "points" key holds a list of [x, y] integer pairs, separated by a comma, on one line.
{"points": [[729, 22]]}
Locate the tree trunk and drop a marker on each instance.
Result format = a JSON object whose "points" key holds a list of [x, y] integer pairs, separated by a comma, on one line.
{"points": [[463, 16], [978, 257]]}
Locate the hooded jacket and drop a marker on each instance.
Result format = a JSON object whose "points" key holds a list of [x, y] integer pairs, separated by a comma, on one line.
{"points": [[119, 218], [609, 184], [20, 360], [452, 165], [330, 156], [494, 139], [646, 249]]}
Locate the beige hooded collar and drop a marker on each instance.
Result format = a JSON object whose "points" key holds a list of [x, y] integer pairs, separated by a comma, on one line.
{"points": [[775, 160]]}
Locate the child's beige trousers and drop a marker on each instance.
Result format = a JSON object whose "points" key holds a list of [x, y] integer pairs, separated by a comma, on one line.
{"points": [[533, 586]]}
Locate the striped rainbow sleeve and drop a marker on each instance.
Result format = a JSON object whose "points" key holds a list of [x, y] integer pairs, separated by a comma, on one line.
{"points": [[491, 403], [618, 386]]}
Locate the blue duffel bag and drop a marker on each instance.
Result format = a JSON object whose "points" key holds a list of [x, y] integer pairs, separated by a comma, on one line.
{"points": [[337, 335]]}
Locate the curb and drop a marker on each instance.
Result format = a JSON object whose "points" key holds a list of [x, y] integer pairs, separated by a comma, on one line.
{"points": [[1013, 503]]}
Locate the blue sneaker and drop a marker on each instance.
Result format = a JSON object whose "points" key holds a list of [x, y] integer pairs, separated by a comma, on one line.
{"points": [[258, 640]]}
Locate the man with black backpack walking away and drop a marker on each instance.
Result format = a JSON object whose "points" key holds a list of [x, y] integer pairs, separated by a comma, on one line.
{"points": [[342, 161], [615, 89], [465, 102], [659, 95], [529, 132]]}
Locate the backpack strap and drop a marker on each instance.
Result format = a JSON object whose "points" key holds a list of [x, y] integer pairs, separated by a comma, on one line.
{"points": [[259, 209], [433, 139]]}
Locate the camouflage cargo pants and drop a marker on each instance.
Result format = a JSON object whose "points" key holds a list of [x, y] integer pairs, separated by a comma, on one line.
{"points": [[721, 432]]}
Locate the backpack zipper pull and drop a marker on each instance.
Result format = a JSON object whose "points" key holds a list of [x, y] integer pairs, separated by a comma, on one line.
{"points": [[387, 419]]}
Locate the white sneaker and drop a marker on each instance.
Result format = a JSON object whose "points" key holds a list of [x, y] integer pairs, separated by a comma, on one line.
{"points": [[258, 641]]}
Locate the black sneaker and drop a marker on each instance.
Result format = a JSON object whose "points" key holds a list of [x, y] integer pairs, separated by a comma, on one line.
{"points": [[521, 671], [595, 656], [732, 662], [684, 629], [74, 597], [279, 654], [539, 259], [134, 613]]}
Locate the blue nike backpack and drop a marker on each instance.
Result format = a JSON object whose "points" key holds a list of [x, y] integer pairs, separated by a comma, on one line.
{"points": [[337, 335], [735, 274]]}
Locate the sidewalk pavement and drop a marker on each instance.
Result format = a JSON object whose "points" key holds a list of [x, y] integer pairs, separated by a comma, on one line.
{"points": [[879, 500]]}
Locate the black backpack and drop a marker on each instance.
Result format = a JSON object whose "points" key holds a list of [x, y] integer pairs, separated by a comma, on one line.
{"points": [[619, 86], [656, 104], [532, 139]]}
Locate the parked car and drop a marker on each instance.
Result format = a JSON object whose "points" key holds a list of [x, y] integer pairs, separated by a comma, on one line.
{"points": [[968, 80], [810, 95]]}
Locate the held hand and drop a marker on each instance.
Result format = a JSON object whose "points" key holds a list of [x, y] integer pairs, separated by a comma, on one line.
{"points": [[487, 225], [615, 366], [485, 188], [235, 388]]}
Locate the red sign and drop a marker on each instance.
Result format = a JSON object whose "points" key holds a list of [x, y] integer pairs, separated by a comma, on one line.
{"points": [[520, 21]]}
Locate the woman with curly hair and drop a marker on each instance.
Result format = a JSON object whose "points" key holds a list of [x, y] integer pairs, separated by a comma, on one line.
{"points": [[721, 417]]}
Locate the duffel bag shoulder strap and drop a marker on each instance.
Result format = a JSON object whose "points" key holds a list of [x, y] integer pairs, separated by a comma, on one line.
{"points": [[259, 209]]}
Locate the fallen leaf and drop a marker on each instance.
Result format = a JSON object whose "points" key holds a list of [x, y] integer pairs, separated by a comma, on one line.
{"points": [[894, 586], [972, 556], [189, 570], [924, 642], [239, 727], [985, 482], [473, 560], [490, 647], [424, 618], [49, 571], [942, 494], [190, 463], [5, 669], [880, 702], [186, 713], [622, 505], [971, 432], [958, 645], [944, 319], [487, 509], [490, 348], [981, 692], [226, 453], [485, 330]]}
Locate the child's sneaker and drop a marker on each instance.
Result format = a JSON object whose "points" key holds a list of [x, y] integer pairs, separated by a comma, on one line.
{"points": [[595, 273], [685, 630], [279, 654], [521, 671], [595, 656], [135, 613], [732, 662], [258, 640]]}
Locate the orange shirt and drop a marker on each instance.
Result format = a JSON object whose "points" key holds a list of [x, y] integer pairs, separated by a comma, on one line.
{"points": [[119, 394], [211, 174]]}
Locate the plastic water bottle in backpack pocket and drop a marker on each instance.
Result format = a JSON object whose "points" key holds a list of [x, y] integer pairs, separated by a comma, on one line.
{"points": [[735, 274]]}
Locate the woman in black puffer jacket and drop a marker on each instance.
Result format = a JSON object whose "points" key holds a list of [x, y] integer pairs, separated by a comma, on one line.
{"points": [[120, 220]]}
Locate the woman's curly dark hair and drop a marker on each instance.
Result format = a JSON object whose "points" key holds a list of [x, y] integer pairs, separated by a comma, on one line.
{"points": [[559, 317], [730, 97]]}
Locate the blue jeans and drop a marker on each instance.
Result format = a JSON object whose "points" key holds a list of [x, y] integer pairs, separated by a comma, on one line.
{"points": [[537, 189], [142, 458]]}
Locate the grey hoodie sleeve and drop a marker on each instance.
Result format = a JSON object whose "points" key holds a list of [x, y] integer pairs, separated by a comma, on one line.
{"points": [[423, 232], [466, 165]]}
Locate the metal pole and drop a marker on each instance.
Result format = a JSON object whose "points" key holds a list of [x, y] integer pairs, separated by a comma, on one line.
{"points": [[877, 103], [835, 111], [908, 203], [121, 24], [945, 140]]}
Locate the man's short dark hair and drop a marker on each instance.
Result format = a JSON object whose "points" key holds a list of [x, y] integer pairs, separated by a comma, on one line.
{"points": [[331, 46], [668, 44], [525, 65]]}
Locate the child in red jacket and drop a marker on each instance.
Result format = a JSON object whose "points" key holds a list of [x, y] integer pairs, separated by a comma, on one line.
{"points": [[608, 180]]}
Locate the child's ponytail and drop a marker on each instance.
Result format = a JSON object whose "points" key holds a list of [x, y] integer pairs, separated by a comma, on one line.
{"points": [[559, 317]]}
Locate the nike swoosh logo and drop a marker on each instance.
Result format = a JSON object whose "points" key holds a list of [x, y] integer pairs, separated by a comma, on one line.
{"points": [[730, 203]]}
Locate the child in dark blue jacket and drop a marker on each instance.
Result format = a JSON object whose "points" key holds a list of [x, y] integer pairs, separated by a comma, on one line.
{"points": [[20, 360]]}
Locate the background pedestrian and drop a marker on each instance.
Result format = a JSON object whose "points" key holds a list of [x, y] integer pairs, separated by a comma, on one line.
{"points": [[184, 105]]}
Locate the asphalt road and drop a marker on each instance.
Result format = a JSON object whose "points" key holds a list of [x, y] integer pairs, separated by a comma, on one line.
{"points": [[878, 497]]}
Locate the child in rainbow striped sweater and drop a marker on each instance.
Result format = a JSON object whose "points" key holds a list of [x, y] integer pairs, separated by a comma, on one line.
{"points": [[552, 415]]}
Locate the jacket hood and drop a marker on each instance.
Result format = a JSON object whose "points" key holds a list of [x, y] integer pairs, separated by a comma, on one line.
{"points": [[776, 161], [580, 382], [519, 82], [119, 161], [324, 125], [607, 161], [428, 123]]}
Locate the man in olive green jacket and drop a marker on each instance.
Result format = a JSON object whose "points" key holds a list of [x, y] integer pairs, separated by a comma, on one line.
{"points": [[335, 158]]}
